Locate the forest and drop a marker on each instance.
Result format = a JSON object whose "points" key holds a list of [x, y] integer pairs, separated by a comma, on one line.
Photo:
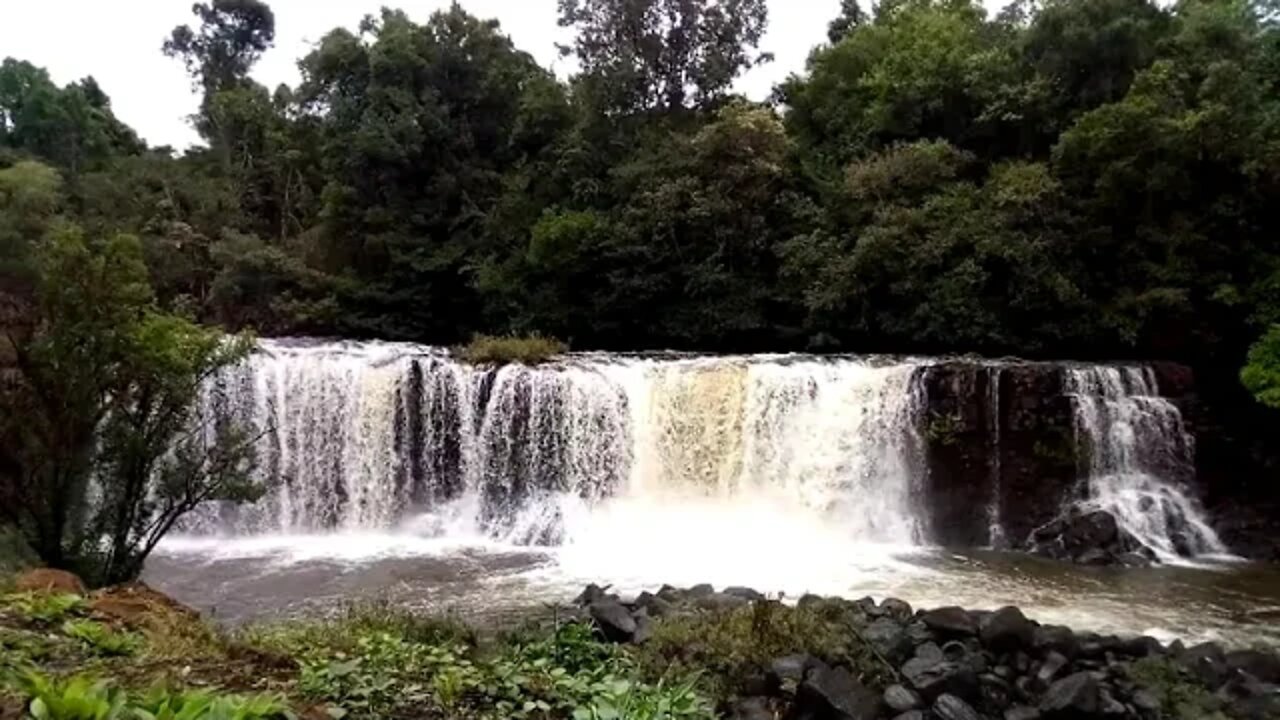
{"points": [[1076, 179]]}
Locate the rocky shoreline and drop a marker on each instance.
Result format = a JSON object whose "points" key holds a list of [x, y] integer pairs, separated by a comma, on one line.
{"points": [[954, 664]]}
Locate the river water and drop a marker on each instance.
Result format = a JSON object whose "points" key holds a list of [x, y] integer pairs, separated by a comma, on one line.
{"points": [[397, 473], [272, 577]]}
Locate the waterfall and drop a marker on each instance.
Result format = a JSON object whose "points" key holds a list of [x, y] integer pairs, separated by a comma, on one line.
{"points": [[995, 530], [1138, 458], [379, 436]]}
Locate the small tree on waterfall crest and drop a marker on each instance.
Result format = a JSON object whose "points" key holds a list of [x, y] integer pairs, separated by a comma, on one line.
{"points": [[101, 448]]}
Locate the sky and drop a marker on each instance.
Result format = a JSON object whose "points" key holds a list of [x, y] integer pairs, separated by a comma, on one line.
{"points": [[118, 43]]}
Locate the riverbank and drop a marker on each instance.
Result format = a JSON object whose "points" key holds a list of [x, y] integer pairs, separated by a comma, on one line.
{"points": [[692, 653]]}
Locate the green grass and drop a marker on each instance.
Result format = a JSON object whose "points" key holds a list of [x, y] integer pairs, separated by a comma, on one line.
{"points": [[494, 350], [1181, 696], [729, 648]]}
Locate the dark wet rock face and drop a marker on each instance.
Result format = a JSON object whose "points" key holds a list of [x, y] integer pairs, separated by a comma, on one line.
{"points": [[953, 664], [1090, 538]]}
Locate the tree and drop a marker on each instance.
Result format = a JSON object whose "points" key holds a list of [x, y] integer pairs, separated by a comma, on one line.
{"points": [[100, 446], [640, 55], [851, 16], [72, 128], [425, 129], [232, 36], [1262, 375]]}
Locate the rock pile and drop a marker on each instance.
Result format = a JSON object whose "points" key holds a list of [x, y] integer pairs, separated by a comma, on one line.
{"points": [[954, 664]]}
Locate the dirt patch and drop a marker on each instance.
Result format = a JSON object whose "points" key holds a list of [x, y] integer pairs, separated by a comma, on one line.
{"points": [[49, 580], [138, 606]]}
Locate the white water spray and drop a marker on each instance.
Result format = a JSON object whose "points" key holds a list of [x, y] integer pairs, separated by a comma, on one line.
{"points": [[375, 436]]}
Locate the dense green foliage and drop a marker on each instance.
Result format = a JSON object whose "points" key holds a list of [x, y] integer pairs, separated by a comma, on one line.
{"points": [[100, 449], [1073, 178]]}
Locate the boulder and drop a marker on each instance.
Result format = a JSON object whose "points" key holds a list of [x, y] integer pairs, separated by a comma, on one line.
{"points": [[644, 628], [1055, 638], [1006, 630], [1096, 529], [655, 604], [717, 601], [950, 707], [1096, 557], [889, 638], [590, 594], [745, 593], [950, 621], [1021, 712], [1049, 669], [671, 594], [1207, 662], [896, 609], [786, 672], [48, 580], [613, 620], [995, 692], [752, 708], [1073, 697], [1141, 647], [932, 678], [901, 699], [919, 632], [930, 651], [832, 693], [701, 590], [911, 715], [1133, 560], [1261, 665]]}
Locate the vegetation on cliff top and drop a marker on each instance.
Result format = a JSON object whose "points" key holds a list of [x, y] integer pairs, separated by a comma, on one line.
{"points": [[527, 350]]}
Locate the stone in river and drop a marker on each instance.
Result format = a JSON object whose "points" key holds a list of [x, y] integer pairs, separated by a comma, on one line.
{"points": [[950, 621], [950, 707], [834, 693], [901, 699], [1006, 630], [1075, 696], [614, 620]]}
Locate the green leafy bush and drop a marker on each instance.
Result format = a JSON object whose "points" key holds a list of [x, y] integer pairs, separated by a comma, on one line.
{"points": [[527, 350], [101, 639], [44, 608], [436, 670]]}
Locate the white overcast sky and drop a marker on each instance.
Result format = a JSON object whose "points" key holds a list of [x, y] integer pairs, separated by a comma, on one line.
{"points": [[119, 44]]}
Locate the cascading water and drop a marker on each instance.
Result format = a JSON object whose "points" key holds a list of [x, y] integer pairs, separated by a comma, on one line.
{"points": [[375, 436], [1139, 455], [995, 529]]}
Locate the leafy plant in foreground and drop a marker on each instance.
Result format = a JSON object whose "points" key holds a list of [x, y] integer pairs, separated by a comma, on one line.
{"points": [[46, 608], [76, 699], [102, 639]]}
